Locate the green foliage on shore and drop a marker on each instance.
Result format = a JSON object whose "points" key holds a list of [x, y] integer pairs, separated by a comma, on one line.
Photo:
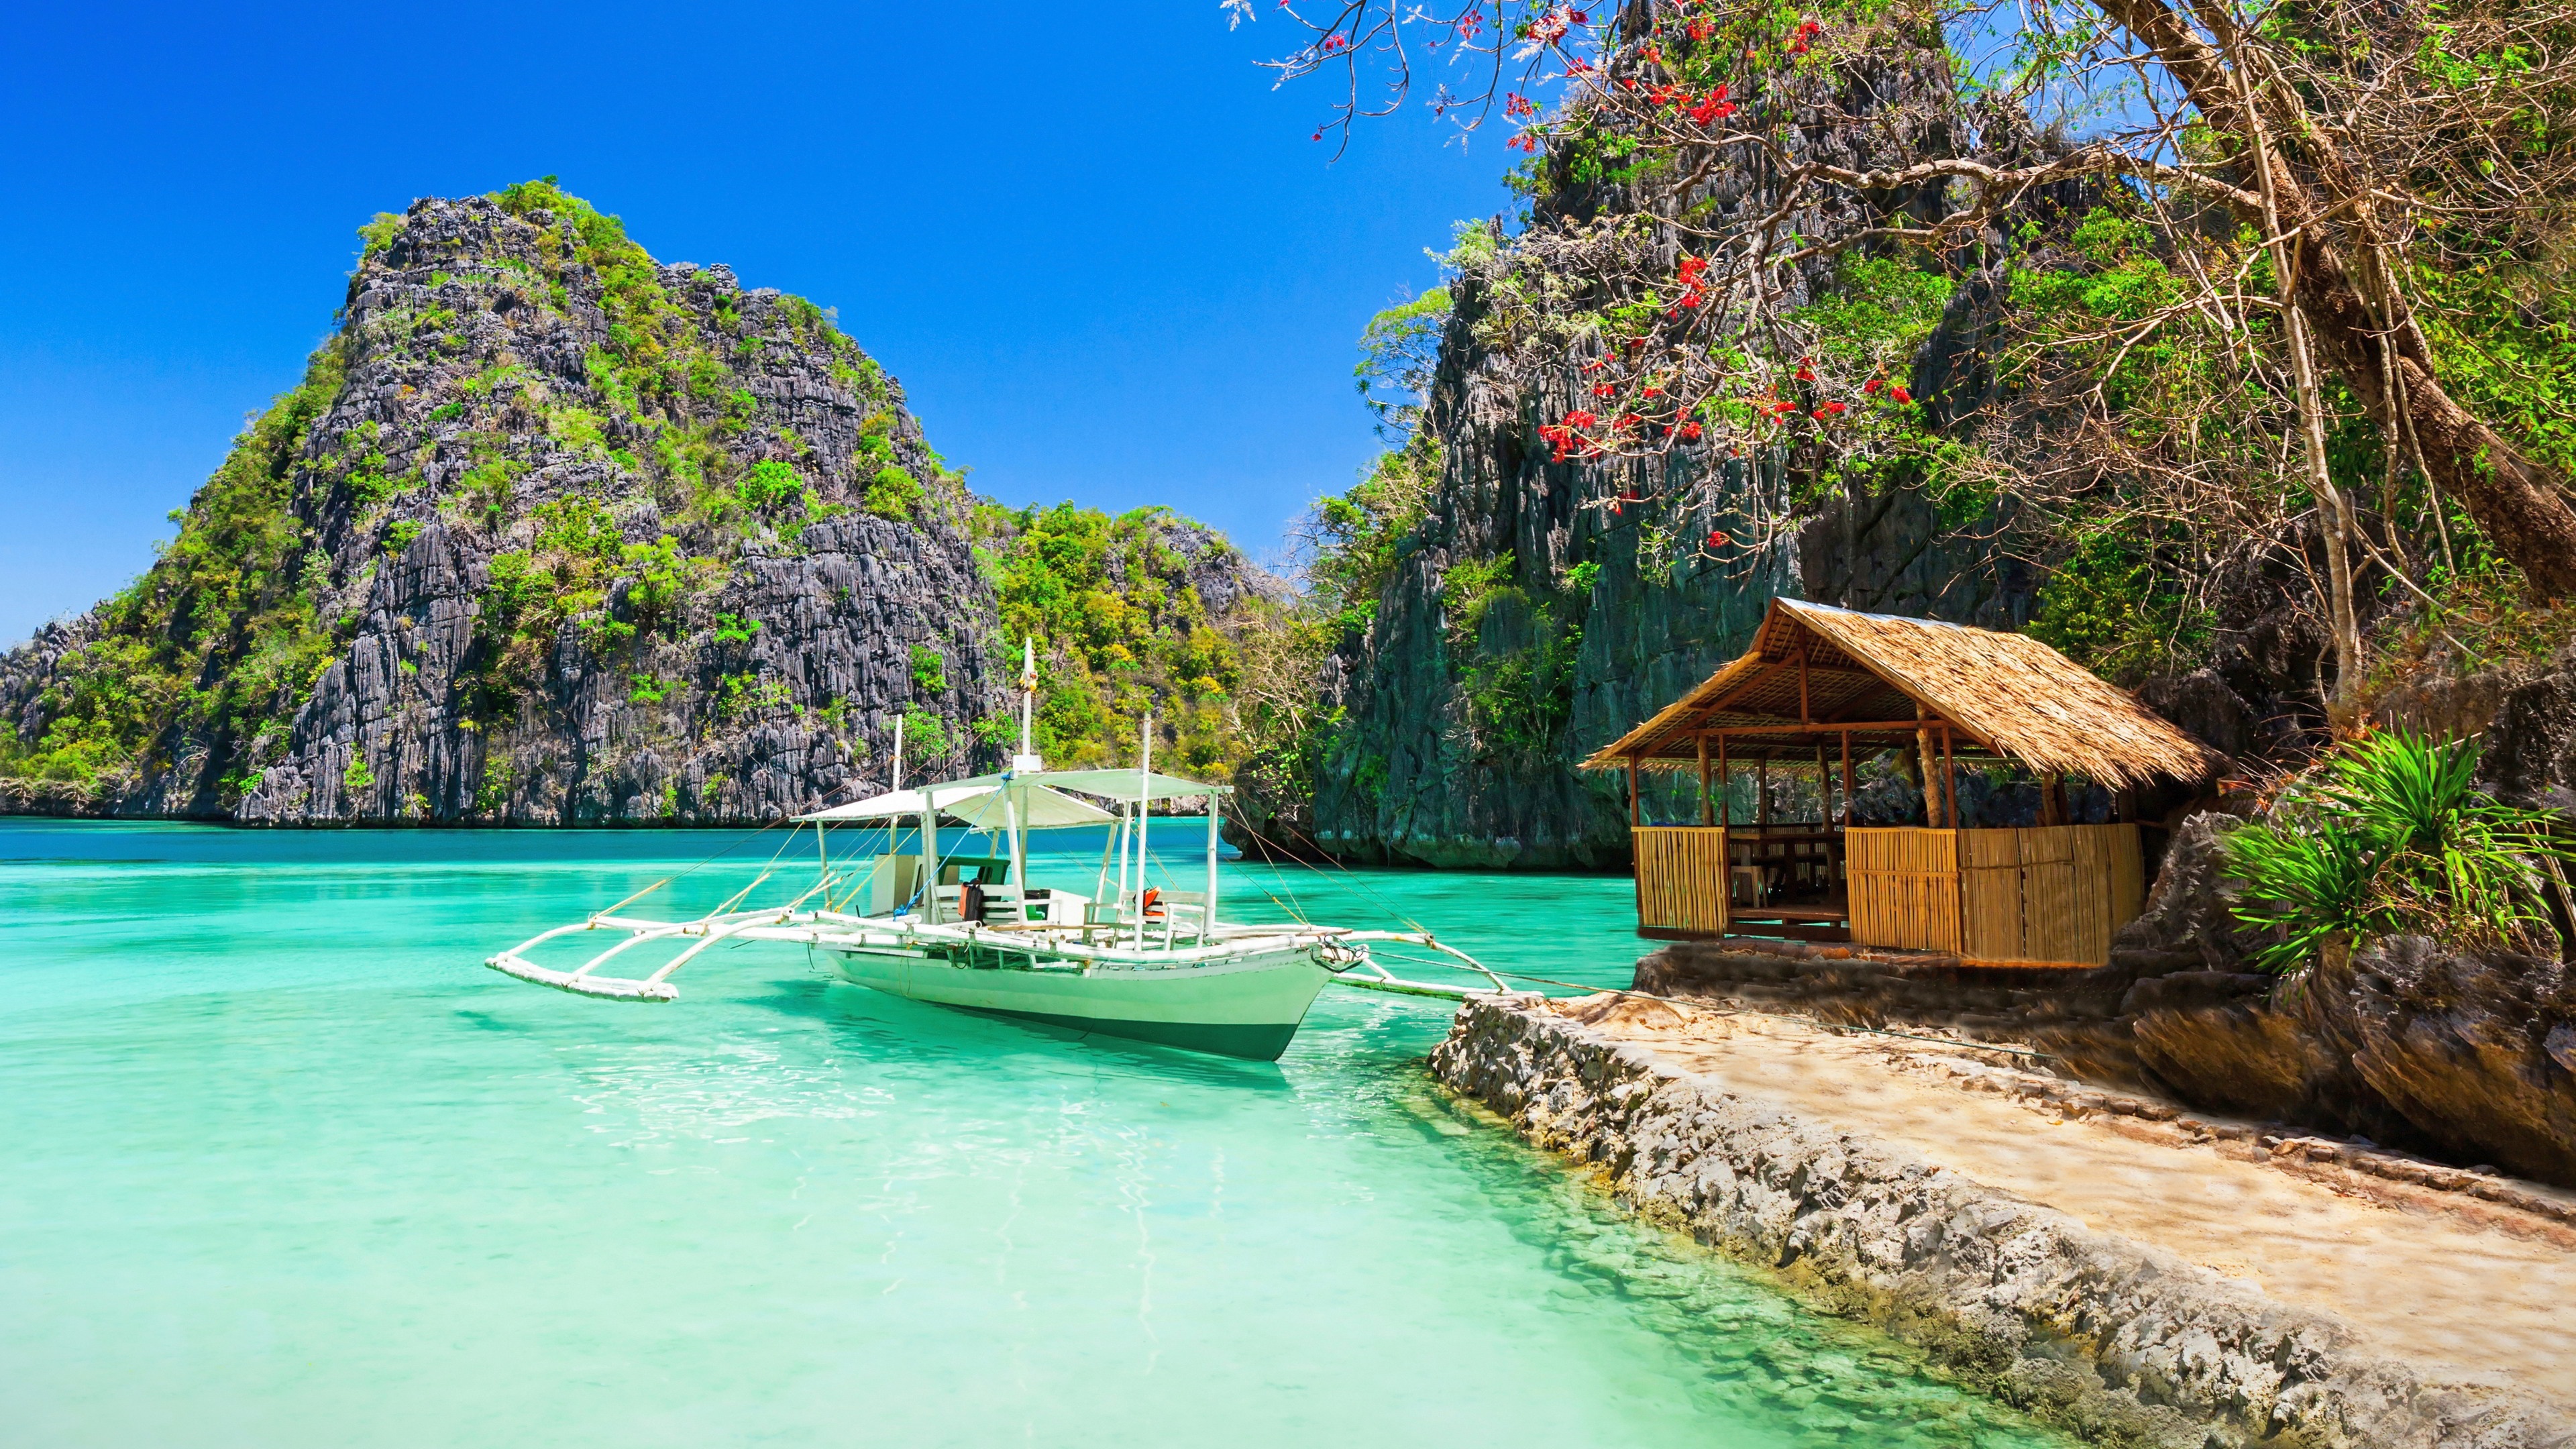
{"points": [[2390, 835]]}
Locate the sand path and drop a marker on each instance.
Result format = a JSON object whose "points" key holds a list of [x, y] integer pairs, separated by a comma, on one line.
{"points": [[2423, 1284]]}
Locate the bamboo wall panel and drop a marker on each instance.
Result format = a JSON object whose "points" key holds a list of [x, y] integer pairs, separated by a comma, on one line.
{"points": [[1681, 878], [1904, 887], [2055, 921], [1990, 895], [2049, 893]]}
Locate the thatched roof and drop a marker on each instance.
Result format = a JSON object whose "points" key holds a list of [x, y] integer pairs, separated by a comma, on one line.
{"points": [[1816, 672]]}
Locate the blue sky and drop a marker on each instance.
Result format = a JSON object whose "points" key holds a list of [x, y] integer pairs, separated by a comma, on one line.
{"points": [[1098, 249]]}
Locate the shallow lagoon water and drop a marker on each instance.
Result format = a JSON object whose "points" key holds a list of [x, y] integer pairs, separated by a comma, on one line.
{"points": [[287, 1167]]}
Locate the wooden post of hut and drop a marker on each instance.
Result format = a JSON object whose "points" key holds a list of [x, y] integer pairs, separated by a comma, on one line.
{"points": [[1815, 676]]}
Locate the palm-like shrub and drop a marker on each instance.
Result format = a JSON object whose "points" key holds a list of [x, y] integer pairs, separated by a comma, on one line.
{"points": [[2390, 835]]}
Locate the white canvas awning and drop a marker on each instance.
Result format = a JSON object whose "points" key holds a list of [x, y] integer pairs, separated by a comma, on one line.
{"points": [[976, 804], [1123, 786], [893, 804], [1038, 808]]}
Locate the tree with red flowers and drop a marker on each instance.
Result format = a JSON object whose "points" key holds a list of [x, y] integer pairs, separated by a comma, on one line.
{"points": [[2304, 200]]}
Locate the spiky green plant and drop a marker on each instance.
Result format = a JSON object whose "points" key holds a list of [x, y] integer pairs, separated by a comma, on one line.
{"points": [[2391, 835]]}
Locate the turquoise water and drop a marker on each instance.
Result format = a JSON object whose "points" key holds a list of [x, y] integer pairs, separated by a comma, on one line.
{"points": [[287, 1167]]}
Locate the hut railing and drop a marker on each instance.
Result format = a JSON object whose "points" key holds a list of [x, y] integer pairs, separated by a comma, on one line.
{"points": [[1681, 878], [2053, 893]]}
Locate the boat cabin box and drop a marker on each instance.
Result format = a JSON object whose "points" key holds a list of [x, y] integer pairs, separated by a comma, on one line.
{"points": [[1823, 690]]}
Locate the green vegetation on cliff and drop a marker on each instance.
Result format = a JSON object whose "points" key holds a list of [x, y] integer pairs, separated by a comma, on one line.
{"points": [[1122, 629]]}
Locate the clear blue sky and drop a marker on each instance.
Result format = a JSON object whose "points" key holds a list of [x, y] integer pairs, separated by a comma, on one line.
{"points": [[1097, 248]]}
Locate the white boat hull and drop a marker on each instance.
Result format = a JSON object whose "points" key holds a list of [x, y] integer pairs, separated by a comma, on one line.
{"points": [[1244, 1006]]}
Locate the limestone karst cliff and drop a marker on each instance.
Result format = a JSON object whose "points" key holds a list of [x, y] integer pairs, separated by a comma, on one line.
{"points": [[554, 533]]}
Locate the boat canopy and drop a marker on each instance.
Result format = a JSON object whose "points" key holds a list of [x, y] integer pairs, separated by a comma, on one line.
{"points": [[892, 805], [1037, 807], [975, 803], [1124, 786]]}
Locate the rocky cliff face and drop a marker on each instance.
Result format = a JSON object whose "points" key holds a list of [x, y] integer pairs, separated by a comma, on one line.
{"points": [[552, 533]]}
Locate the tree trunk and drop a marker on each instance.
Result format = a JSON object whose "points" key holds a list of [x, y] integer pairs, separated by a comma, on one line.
{"points": [[2516, 502]]}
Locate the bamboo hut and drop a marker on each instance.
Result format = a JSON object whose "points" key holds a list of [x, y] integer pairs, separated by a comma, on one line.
{"points": [[1822, 688]]}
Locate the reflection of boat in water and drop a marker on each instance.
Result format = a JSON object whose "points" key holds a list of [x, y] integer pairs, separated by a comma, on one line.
{"points": [[1129, 959]]}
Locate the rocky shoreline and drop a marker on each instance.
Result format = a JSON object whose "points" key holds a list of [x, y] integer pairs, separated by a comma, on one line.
{"points": [[2114, 1340]]}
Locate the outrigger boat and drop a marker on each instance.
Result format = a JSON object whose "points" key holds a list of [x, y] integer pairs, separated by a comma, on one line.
{"points": [[968, 931]]}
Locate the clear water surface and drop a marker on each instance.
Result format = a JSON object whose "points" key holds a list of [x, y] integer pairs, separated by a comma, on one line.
{"points": [[285, 1167]]}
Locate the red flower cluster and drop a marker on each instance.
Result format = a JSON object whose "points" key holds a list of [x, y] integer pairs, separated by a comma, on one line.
{"points": [[1522, 142], [1694, 282], [1717, 539], [1690, 431], [1830, 410], [1894, 390], [1336, 44], [1605, 389], [1713, 110], [1806, 369], [1807, 30], [1700, 29], [1565, 437], [1516, 104]]}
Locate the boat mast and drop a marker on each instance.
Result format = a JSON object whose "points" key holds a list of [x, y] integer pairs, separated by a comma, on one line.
{"points": [[928, 875], [1207, 923], [1144, 778], [1025, 760], [894, 783], [1119, 838]]}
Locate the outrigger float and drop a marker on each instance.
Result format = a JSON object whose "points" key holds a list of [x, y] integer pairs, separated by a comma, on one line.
{"points": [[967, 931]]}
